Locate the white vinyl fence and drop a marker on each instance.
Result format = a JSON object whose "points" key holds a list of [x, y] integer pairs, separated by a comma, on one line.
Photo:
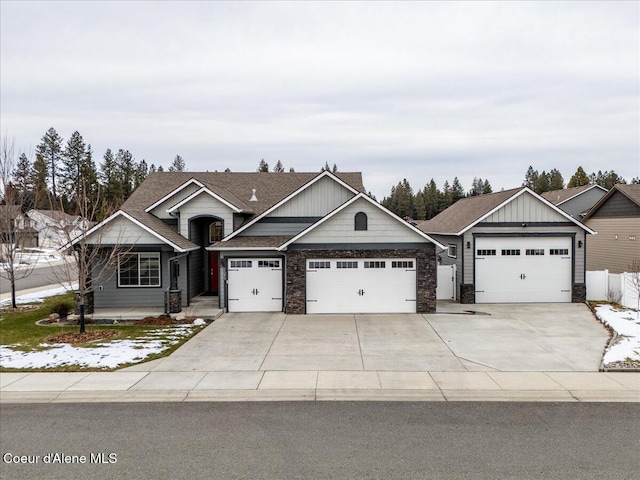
{"points": [[613, 287]]}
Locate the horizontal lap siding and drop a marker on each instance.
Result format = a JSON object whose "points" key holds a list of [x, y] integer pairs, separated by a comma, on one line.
{"points": [[161, 210], [605, 252], [204, 205], [122, 231], [275, 229]]}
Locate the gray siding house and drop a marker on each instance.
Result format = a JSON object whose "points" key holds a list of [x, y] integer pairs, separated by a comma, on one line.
{"points": [[616, 219], [293, 242], [576, 201], [512, 247]]}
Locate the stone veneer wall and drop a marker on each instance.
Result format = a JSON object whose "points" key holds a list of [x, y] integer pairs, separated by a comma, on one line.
{"points": [[295, 302], [579, 293], [467, 293]]}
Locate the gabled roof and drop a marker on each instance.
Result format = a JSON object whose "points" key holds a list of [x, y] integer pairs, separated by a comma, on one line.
{"points": [[467, 212], [362, 196], [632, 192], [313, 180], [208, 192], [558, 197], [56, 215]]}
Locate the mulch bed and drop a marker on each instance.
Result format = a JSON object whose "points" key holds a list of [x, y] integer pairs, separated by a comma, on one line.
{"points": [[163, 319], [77, 337]]}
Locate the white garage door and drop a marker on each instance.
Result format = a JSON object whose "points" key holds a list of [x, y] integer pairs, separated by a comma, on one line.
{"points": [[523, 269], [255, 285], [370, 285]]}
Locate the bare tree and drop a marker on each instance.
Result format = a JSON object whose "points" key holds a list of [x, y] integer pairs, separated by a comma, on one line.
{"points": [[14, 226], [634, 276]]}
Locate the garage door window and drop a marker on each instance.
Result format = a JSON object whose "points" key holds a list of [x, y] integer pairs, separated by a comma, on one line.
{"points": [[374, 264], [486, 253], [535, 251], [240, 263], [559, 251], [402, 264], [268, 263], [346, 264], [511, 252], [316, 265]]}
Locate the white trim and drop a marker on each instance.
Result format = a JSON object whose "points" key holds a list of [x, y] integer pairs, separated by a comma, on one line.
{"points": [[536, 196], [345, 205], [198, 192], [455, 250], [286, 199], [171, 194], [583, 191], [136, 222], [120, 255]]}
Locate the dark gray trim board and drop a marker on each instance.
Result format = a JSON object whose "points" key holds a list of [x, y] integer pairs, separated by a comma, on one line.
{"points": [[289, 220], [524, 234], [359, 246], [525, 224]]}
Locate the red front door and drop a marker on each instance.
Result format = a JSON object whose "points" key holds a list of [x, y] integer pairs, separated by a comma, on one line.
{"points": [[213, 272]]}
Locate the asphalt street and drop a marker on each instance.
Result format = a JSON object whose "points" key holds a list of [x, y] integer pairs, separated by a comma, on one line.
{"points": [[372, 440], [40, 276]]}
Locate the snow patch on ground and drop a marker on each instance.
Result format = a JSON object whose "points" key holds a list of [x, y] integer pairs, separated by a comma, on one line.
{"points": [[38, 297], [99, 355], [626, 324]]}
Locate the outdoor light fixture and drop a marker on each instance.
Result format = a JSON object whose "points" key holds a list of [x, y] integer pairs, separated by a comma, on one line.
{"points": [[468, 244], [579, 243]]}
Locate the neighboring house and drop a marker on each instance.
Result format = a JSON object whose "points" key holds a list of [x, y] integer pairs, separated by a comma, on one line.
{"points": [[56, 228], [293, 242], [576, 201], [510, 247], [616, 219], [16, 228]]}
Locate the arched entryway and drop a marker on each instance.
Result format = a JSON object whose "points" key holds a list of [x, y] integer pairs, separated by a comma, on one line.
{"points": [[205, 230]]}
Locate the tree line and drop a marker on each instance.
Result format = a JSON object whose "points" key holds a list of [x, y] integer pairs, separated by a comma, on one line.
{"points": [[63, 172], [430, 200]]}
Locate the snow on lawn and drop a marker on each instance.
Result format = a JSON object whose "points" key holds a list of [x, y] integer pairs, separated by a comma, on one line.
{"points": [[99, 355], [38, 297], [626, 324]]}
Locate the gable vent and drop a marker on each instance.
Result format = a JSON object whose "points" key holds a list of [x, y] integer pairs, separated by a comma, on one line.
{"points": [[253, 195]]}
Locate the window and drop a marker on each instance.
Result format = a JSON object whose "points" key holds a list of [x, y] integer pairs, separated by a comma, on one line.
{"points": [[139, 270], [485, 253], [512, 252], [452, 251], [374, 264], [361, 221], [216, 231], [240, 264], [268, 263], [402, 264], [535, 251], [319, 265], [346, 264], [559, 251]]}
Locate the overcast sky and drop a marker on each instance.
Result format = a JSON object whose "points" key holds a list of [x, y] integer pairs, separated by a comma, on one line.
{"points": [[395, 90]]}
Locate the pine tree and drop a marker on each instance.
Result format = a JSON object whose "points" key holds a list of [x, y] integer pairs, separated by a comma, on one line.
{"points": [[334, 169], [76, 171], [326, 167], [578, 179], [420, 205], [431, 199], [556, 182], [486, 187], [142, 171], [126, 170], [160, 169], [263, 166], [608, 179], [39, 178], [50, 151], [542, 185], [457, 192], [178, 165], [23, 182], [152, 168], [278, 167], [531, 178]]}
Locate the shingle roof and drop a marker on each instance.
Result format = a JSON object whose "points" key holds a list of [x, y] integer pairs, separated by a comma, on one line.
{"points": [[236, 188], [465, 211], [559, 196], [632, 192], [252, 242], [163, 229], [57, 215]]}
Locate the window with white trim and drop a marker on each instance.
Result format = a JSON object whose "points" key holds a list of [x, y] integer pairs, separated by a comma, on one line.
{"points": [[139, 269], [452, 251], [216, 231], [360, 221]]}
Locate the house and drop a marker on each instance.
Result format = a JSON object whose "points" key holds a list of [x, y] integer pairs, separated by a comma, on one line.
{"points": [[510, 247], [16, 228], [616, 218], [56, 228], [576, 201], [262, 241]]}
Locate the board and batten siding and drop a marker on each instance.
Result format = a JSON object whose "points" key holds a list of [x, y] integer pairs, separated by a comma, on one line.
{"points": [[317, 200], [525, 208], [605, 251], [122, 231], [109, 295], [533, 230], [161, 210], [381, 228], [196, 272], [205, 205]]}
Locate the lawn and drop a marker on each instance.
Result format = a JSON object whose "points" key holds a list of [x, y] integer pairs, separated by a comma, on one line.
{"points": [[25, 346]]}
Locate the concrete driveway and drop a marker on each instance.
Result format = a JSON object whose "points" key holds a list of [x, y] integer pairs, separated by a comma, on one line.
{"points": [[534, 337]]}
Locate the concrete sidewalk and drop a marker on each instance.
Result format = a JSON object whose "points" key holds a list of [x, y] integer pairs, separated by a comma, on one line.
{"points": [[146, 386]]}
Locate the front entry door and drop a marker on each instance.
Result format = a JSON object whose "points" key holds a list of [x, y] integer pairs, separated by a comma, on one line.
{"points": [[214, 270]]}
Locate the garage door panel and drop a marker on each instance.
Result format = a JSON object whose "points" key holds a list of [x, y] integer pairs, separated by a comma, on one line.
{"points": [[361, 286], [523, 269], [255, 285]]}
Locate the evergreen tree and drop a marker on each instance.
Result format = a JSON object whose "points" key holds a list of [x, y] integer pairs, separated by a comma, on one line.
{"points": [[152, 168], [420, 206], [578, 179], [160, 169], [635, 181], [50, 151], [531, 178], [178, 165], [23, 182], [608, 179], [486, 187], [39, 178], [109, 180], [556, 182], [278, 167], [326, 167], [125, 174], [142, 172], [431, 200], [334, 169], [542, 185], [445, 200], [457, 192], [78, 170], [263, 166]]}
